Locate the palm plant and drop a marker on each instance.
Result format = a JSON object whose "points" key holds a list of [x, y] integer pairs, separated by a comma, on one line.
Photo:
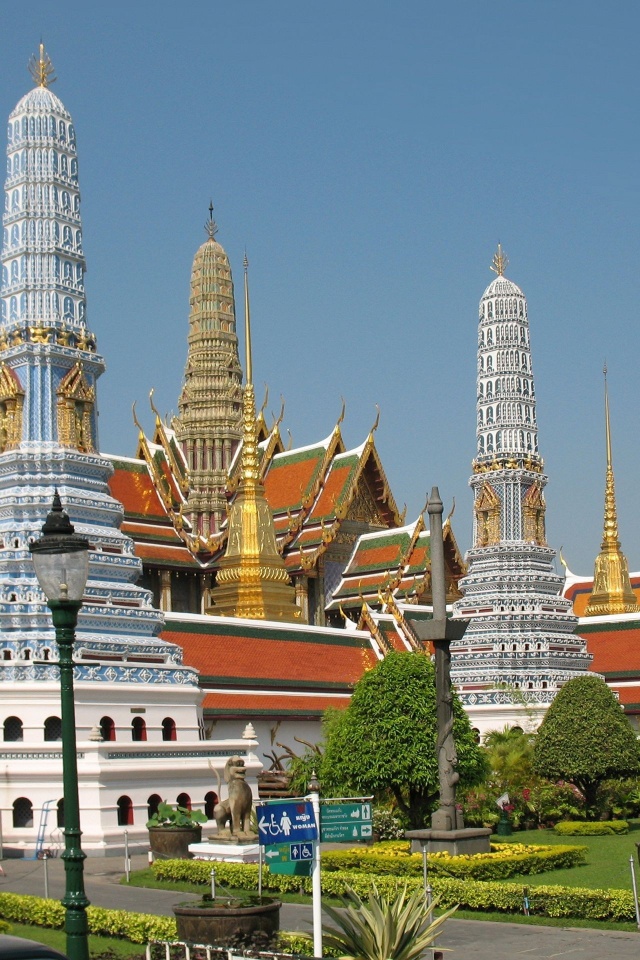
{"points": [[395, 926]]}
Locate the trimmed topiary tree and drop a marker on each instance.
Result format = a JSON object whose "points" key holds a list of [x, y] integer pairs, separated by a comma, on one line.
{"points": [[585, 738], [386, 738]]}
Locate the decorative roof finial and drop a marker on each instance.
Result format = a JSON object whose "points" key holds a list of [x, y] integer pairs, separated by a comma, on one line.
{"points": [[500, 261], [41, 68], [211, 226], [247, 321]]}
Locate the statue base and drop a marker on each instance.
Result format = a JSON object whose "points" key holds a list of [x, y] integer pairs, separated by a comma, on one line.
{"points": [[228, 852], [456, 842]]}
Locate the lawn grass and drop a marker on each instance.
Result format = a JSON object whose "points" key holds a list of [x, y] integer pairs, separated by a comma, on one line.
{"points": [[97, 945], [607, 866], [147, 878]]}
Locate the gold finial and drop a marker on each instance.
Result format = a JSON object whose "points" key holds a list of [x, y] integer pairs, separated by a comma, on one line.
{"points": [[41, 68], [252, 580], [211, 226], [247, 321], [612, 591], [500, 261]]}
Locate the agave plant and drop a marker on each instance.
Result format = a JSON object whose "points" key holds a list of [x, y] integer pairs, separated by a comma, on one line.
{"points": [[394, 926]]}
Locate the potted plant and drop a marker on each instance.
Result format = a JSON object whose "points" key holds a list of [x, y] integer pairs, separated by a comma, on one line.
{"points": [[236, 921], [172, 829]]}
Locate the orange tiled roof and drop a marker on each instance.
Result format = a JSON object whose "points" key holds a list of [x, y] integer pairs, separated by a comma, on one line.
{"points": [[132, 485], [279, 704], [614, 644], [239, 651], [291, 477]]}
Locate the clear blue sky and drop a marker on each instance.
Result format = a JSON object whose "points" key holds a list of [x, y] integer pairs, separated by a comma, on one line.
{"points": [[369, 155]]}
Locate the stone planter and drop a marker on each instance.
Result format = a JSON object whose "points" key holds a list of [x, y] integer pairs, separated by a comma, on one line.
{"points": [[173, 842], [222, 921]]}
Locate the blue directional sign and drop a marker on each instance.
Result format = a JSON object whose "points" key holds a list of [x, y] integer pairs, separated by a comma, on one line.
{"points": [[301, 851], [286, 823]]}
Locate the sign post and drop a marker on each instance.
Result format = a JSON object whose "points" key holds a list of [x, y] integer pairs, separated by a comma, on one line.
{"points": [[316, 884], [345, 822]]}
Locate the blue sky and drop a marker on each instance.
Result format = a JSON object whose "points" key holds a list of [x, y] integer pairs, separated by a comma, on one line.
{"points": [[369, 155]]}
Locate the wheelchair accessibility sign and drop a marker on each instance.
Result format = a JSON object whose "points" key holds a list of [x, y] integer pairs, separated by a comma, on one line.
{"points": [[287, 823]]}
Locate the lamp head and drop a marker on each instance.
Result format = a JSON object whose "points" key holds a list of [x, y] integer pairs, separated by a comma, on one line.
{"points": [[61, 557]]}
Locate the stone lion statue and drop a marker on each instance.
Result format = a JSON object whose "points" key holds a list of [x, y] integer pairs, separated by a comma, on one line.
{"points": [[236, 809]]}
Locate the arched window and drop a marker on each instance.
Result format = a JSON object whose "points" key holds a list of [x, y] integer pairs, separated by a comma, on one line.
{"points": [[107, 728], [152, 804], [184, 800], [22, 812], [13, 729], [60, 813], [53, 728], [125, 812], [210, 800], [169, 729], [138, 729]]}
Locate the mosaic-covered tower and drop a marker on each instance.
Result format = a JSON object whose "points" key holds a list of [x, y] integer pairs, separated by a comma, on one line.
{"points": [[521, 631], [209, 424], [130, 685]]}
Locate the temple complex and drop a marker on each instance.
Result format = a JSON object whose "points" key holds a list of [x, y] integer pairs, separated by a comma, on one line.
{"points": [[138, 705], [519, 647]]}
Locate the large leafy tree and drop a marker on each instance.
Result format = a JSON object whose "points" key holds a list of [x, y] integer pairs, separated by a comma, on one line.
{"points": [[385, 740], [585, 738]]}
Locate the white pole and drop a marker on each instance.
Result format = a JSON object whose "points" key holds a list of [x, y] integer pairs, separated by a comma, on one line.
{"points": [[635, 890], [260, 862], [46, 876], [316, 885], [213, 883], [127, 860]]}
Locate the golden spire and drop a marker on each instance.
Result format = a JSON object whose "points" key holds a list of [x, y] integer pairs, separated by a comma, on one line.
{"points": [[500, 261], [612, 592], [41, 68], [252, 580]]}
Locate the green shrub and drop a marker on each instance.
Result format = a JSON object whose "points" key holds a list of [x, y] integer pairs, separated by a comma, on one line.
{"points": [[136, 927], [4, 926], [471, 894], [591, 828]]}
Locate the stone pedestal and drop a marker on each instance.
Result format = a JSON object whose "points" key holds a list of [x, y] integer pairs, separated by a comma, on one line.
{"points": [[229, 852], [455, 842]]}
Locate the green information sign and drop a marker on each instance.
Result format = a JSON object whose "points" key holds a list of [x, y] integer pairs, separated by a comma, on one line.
{"points": [[293, 858], [345, 822]]}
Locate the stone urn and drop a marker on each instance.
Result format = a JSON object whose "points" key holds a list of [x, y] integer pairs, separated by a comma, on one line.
{"points": [[223, 921], [173, 842]]}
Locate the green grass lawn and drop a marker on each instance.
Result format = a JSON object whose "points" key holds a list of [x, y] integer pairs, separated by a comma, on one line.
{"points": [[607, 864], [97, 945]]}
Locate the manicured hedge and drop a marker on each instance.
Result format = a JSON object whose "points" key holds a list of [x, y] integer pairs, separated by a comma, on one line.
{"points": [[505, 860], [595, 828], [551, 901], [136, 927]]}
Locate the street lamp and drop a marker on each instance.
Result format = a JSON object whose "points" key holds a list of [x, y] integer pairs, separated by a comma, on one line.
{"points": [[61, 562]]}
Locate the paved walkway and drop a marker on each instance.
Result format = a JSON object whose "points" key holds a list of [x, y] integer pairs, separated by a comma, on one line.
{"points": [[465, 939]]}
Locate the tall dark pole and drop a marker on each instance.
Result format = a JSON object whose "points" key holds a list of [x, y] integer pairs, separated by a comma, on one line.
{"points": [[441, 631], [65, 619]]}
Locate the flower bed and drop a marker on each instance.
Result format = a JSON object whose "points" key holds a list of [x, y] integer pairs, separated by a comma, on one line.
{"points": [[504, 860]]}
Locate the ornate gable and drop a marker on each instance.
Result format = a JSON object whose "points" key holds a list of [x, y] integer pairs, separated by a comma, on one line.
{"points": [[75, 408], [487, 510], [11, 403]]}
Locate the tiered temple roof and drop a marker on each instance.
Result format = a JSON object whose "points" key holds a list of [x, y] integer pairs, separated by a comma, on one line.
{"points": [[396, 563]]}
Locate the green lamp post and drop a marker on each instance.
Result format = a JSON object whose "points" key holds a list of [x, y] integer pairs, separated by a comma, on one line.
{"points": [[61, 562]]}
